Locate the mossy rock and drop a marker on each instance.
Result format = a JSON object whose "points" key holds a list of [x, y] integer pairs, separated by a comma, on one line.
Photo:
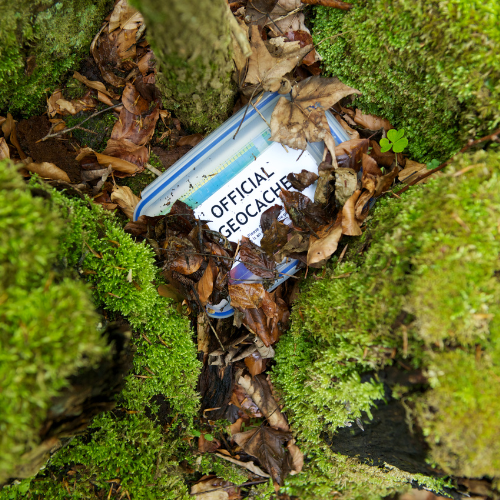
{"points": [[41, 41], [421, 286], [429, 67]]}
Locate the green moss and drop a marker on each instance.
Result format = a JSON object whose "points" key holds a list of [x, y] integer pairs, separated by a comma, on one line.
{"points": [[40, 42], [422, 280], [47, 322], [429, 67], [101, 127]]}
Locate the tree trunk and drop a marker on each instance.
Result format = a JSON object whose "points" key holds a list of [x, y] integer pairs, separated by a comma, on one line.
{"points": [[191, 41]]}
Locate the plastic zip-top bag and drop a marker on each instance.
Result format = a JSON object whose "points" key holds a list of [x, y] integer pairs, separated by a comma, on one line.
{"points": [[231, 180]]}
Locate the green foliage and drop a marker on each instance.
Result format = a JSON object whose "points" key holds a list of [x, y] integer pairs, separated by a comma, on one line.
{"points": [[40, 42], [101, 126], [394, 141], [47, 322], [431, 259], [428, 66]]}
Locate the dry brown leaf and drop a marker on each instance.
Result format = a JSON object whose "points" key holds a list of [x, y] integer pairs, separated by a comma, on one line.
{"points": [[294, 123], [48, 171], [104, 98], [124, 16], [353, 134], [321, 249], [116, 163], [203, 489], [205, 446], [371, 122], [169, 292], [133, 101], [302, 180], [298, 243], [246, 295], [247, 465], [258, 389], [128, 151], [370, 166], [297, 457], [205, 286], [126, 200], [385, 182], [4, 149], [146, 62], [384, 159], [96, 85], [350, 153], [137, 131], [346, 181], [411, 172], [9, 130], [181, 255], [190, 140], [256, 260], [242, 400], [67, 106], [266, 444], [266, 70], [350, 227]]}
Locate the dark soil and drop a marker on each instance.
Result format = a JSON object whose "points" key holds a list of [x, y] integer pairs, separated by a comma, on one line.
{"points": [[169, 156], [58, 150]]}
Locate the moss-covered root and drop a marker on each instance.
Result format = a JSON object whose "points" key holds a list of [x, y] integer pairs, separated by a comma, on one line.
{"points": [[191, 42], [421, 285], [40, 41]]}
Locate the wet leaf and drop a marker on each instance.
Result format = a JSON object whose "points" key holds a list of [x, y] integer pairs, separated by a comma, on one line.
{"points": [[350, 226], [205, 286], [305, 214], [350, 153], [126, 200], [266, 70], [170, 292], [246, 295], [371, 122], [346, 181], [255, 363], [274, 238], [257, 322], [266, 444], [67, 106], [181, 256], [255, 259], [305, 39], [48, 171], [302, 180], [303, 119], [298, 243], [133, 101], [243, 400], [267, 217], [322, 248], [138, 130]]}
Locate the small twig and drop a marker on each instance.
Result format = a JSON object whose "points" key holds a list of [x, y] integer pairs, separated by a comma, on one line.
{"points": [[493, 136], [334, 4], [66, 130], [246, 110], [288, 14], [260, 114]]}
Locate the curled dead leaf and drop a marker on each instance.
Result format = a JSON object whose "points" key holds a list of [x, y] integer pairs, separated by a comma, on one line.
{"points": [[246, 295], [205, 286], [350, 226], [371, 122], [256, 260], [133, 101], [181, 256], [4, 149], [96, 85], [48, 171], [350, 153], [302, 180], [322, 248], [126, 200]]}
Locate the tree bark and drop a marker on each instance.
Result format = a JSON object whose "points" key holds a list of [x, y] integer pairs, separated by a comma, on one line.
{"points": [[191, 41]]}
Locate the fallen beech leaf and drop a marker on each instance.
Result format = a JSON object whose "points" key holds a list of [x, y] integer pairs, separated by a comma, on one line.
{"points": [[205, 286], [124, 16], [350, 153], [128, 151], [133, 101], [303, 119], [257, 10], [353, 134], [247, 465], [370, 166], [104, 49], [302, 180], [67, 106], [274, 238], [270, 215], [350, 227], [256, 260], [169, 292], [411, 172], [207, 485], [48, 170], [244, 401], [190, 140], [259, 390], [181, 256], [371, 122], [4, 149], [256, 320], [266, 444], [96, 85], [346, 181], [255, 363], [137, 131], [297, 457], [126, 200], [304, 213], [298, 243], [146, 62], [321, 249], [305, 39], [246, 295], [116, 163], [266, 70]]}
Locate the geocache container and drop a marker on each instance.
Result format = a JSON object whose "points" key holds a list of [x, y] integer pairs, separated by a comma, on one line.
{"points": [[230, 181]]}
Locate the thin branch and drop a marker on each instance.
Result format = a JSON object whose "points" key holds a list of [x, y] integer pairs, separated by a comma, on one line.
{"points": [[66, 130], [493, 137]]}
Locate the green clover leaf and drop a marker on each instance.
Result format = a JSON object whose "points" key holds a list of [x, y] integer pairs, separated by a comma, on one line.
{"points": [[394, 141], [209, 437], [433, 164]]}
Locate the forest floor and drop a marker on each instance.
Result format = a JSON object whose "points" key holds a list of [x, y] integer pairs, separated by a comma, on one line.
{"points": [[106, 135]]}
